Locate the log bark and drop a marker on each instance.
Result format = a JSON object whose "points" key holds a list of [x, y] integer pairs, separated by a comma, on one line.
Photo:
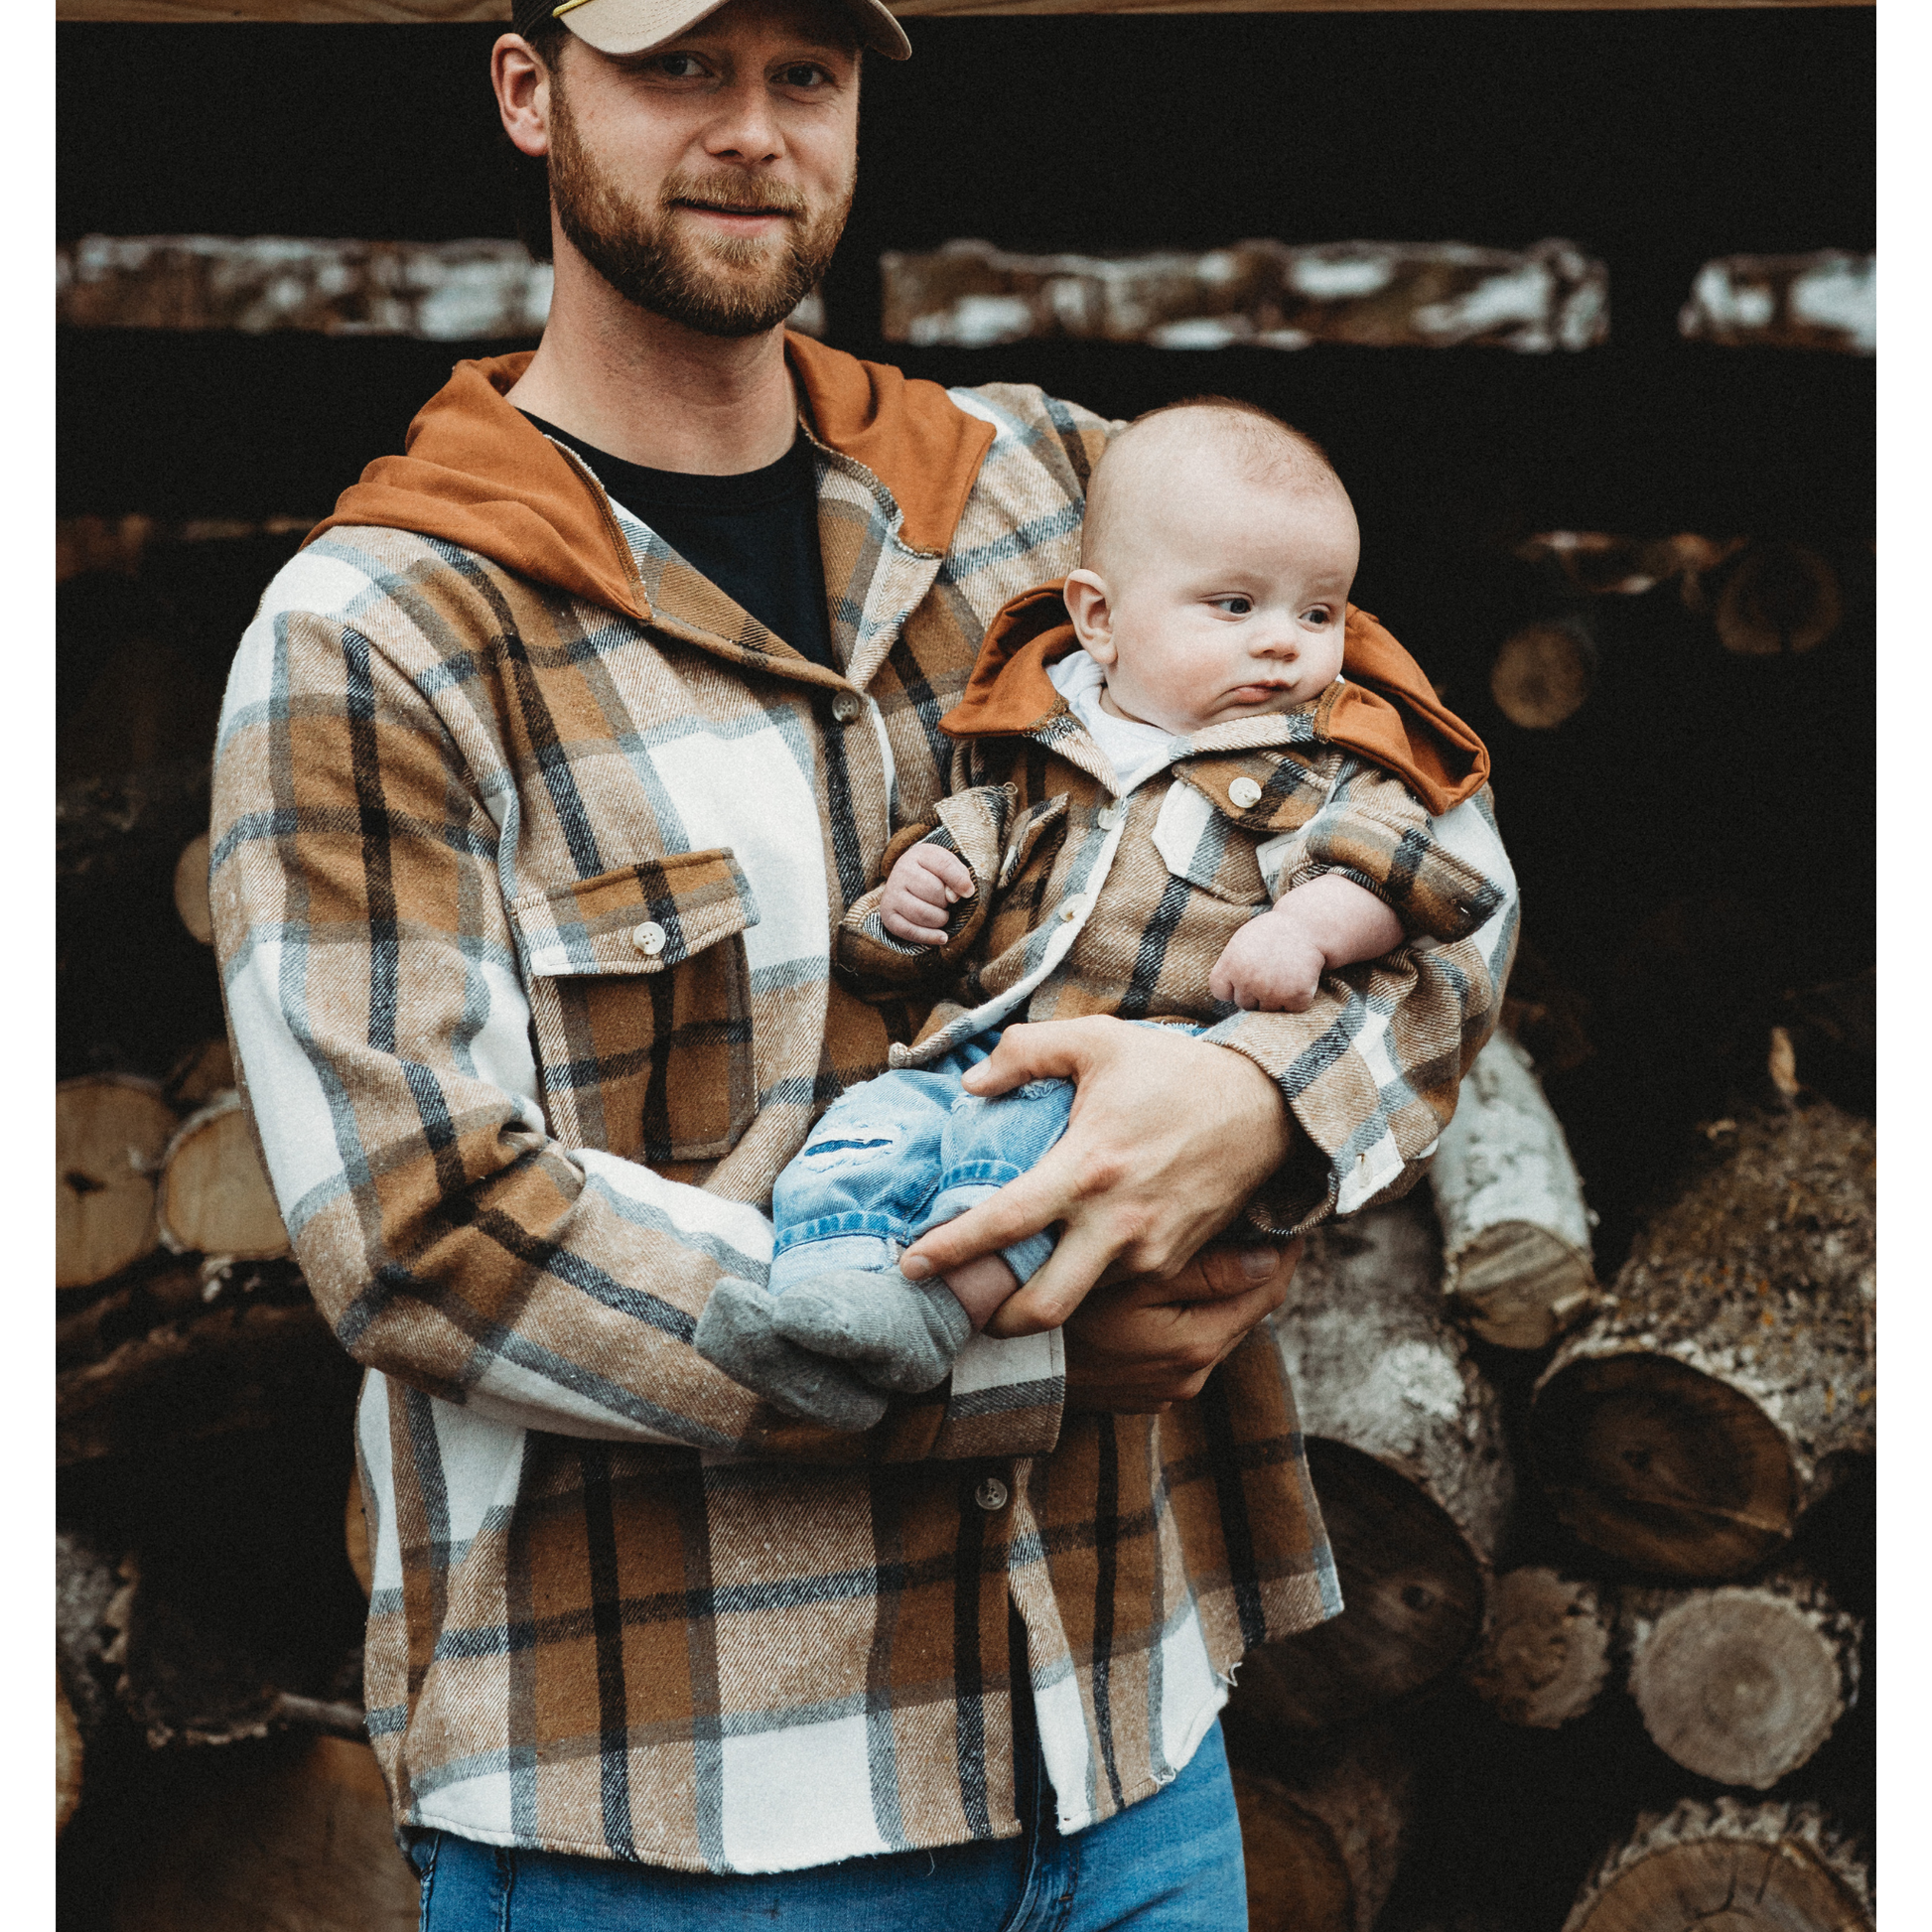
{"points": [[1406, 1445], [154, 1300], [1727, 1868], [234, 1369], [191, 890], [201, 1075], [109, 1132], [68, 1761], [1826, 299], [355, 1537], [1546, 1655], [1688, 1427], [302, 1843], [216, 1198], [1602, 564], [1742, 1685], [1778, 600], [1323, 1847], [1542, 673], [1516, 1254]]}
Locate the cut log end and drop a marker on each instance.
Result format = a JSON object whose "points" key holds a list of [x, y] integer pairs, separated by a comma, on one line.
{"points": [[191, 890], [1781, 599], [67, 1755], [214, 1197], [355, 1537], [1744, 1685], [1520, 1287], [1674, 1471], [1727, 1868], [1542, 674], [1297, 1879], [1547, 1654], [109, 1137]]}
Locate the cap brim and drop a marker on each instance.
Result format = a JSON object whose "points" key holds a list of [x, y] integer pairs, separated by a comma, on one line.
{"points": [[634, 26]]}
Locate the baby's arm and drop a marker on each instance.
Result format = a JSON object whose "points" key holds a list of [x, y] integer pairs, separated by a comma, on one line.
{"points": [[1275, 961], [924, 883]]}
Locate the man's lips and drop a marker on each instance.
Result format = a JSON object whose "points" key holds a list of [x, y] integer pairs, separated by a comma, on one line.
{"points": [[735, 213]]}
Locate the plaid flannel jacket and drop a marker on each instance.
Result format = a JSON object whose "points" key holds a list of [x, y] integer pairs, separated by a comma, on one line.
{"points": [[1089, 903], [529, 851]]}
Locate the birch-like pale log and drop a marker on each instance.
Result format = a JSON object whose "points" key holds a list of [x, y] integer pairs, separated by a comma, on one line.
{"points": [[1515, 1229], [109, 1131], [214, 1196], [1543, 671], [1547, 1653], [1742, 1685], [1727, 1868], [68, 1761], [1404, 1443], [1729, 1383]]}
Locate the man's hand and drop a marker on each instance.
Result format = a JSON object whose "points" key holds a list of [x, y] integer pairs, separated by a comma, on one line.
{"points": [[1270, 965], [1138, 1348], [1169, 1138], [926, 880]]}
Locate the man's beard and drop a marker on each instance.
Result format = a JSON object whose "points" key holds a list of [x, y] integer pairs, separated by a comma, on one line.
{"points": [[653, 259]]}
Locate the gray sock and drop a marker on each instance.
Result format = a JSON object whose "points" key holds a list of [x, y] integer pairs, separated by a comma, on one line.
{"points": [[736, 1334], [896, 1334]]}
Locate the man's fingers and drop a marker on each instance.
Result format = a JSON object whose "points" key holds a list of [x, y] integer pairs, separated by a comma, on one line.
{"points": [[1060, 1286], [1050, 1050], [1022, 1207]]}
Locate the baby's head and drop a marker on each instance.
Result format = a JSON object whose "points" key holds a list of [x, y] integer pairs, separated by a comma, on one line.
{"points": [[1215, 562]]}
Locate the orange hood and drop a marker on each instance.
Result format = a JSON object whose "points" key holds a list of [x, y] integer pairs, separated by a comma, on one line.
{"points": [[1385, 711], [479, 474]]}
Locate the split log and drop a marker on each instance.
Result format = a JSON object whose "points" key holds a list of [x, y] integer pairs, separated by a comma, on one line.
{"points": [[233, 1369], [1264, 294], [68, 1760], [1323, 1847], [1547, 1653], [1778, 600], [303, 1843], [216, 1198], [191, 890], [1742, 1685], [1727, 1868], [1729, 1383], [1543, 672], [109, 1131], [1600, 564], [1517, 1266], [1826, 299], [1404, 1443]]}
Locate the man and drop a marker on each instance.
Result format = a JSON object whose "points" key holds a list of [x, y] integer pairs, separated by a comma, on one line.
{"points": [[546, 771]]}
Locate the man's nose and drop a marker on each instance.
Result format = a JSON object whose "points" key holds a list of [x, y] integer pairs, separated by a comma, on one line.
{"points": [[744, 126]]}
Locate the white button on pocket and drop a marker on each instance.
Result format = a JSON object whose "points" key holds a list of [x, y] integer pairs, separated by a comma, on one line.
{"points": [[648, 939], [991, 1494], [1109, 816], [1244, 794]]}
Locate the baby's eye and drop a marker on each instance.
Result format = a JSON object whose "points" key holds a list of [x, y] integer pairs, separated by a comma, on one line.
{"points": [[1235, 607], [1317, 616]]}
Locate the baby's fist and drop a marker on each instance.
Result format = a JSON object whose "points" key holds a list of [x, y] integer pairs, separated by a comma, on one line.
{"points": [[1269, 966], [924, 882]]}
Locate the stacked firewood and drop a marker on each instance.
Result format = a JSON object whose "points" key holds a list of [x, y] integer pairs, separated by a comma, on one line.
{"points": [[1471, 1395]]}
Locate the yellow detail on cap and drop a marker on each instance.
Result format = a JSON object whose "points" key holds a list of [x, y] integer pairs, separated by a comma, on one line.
{"points": [[569, 6]]}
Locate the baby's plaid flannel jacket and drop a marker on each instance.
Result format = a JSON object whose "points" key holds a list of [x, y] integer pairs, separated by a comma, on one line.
{"points": [[529, 847]]}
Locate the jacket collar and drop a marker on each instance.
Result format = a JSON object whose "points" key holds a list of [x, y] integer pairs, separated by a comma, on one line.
{"points": [[477, 473], [1384, 710]]}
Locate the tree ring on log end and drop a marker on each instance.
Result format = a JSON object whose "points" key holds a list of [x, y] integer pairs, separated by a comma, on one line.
{"points": [[1736, 1686], [1542, 673], [1412, 1592], [1649, 1460], [1297, 1881]]}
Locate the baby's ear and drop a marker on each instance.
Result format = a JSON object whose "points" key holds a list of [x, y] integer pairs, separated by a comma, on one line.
{"points": [[1088, 604]]}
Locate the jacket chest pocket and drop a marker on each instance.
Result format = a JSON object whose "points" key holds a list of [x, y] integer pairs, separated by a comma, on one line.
{"points": [[1206, 849], [640, 1004]]}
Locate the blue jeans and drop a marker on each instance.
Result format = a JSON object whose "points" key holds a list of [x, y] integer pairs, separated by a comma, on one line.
{"points": [[896, 1156], [1170, 1864]]}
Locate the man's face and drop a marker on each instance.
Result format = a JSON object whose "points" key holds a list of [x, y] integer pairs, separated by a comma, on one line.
{"points": [[709, 179]]}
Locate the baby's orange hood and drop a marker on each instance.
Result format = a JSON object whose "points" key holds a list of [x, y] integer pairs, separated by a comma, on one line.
{"points": [[478, 473], [1384, 710]]}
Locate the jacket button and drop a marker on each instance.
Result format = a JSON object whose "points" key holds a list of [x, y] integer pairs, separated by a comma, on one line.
{"points": [[991, 1495], [1109, 816], [845, 707], [648, 939], [1244, 794]]}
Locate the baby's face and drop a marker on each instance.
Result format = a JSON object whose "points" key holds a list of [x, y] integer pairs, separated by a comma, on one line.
{"points": [[1225, 600]]}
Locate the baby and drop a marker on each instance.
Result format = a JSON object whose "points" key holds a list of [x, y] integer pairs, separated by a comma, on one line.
{"points": [[1202, 637]]}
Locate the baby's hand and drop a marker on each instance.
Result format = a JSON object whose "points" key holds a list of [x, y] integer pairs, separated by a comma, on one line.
{"points": [[923, 882], [1270, 965]]}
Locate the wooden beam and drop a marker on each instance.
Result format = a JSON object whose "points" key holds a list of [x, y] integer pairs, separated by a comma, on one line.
{"points": [[440, 12]]}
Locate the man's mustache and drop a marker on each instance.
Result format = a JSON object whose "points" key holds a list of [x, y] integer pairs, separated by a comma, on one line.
{"points": [[729, 190]]}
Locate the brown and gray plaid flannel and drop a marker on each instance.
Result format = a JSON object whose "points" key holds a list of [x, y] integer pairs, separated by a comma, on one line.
{"points": [[529, 851]]}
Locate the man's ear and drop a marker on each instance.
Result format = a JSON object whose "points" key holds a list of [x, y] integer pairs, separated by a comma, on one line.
{"points": [[1089, 605], [523, 85]]}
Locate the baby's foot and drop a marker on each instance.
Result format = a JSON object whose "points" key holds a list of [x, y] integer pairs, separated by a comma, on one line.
{"points": [[736, 1334], [896, 1334]]}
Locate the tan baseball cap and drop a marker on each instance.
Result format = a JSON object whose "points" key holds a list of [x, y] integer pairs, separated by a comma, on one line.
{"points": [[631, 26]]}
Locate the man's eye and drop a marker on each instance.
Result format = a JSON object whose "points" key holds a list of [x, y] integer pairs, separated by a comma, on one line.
{"points": [[802, 74], [678, 66]]}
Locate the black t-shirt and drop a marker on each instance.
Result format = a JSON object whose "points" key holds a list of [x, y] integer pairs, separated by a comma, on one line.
{"points": [[754, 535]]}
